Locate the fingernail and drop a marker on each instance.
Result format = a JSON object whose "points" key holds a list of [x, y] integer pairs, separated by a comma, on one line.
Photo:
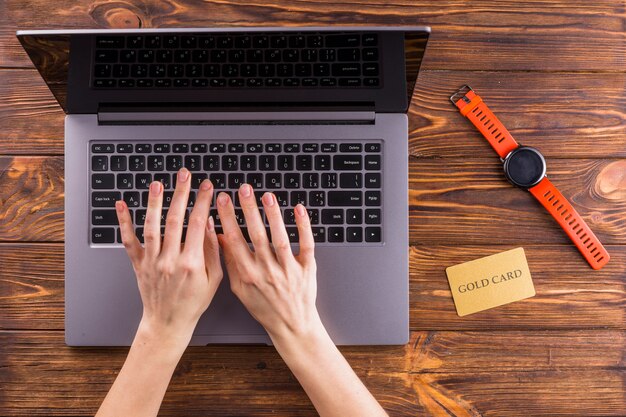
{"points": [[211, 224], [222, 199], [246, 190], [155, 188], [268, 199], [183, 175], [206, 185], [301, 211], [119, 206]]}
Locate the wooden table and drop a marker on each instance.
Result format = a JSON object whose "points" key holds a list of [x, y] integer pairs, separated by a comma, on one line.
{"points": [[554, 72]]}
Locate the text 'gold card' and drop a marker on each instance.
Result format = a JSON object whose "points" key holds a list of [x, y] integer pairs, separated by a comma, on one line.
{"points": [[490, 281]]}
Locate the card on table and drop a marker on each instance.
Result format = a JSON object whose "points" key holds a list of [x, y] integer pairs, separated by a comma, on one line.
{"points": [[490, 281]]}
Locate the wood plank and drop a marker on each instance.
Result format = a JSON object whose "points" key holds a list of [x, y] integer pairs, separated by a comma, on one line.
{"points": [[539, 109], [483, 35], [467, 201], [31, 198], [437, 369], [569, 294]]}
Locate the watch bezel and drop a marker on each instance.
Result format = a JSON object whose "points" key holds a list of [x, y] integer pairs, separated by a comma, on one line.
{"points": [[508, 158]]}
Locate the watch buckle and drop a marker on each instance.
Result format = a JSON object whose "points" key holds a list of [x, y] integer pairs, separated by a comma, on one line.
{"points": [[461, 92]]}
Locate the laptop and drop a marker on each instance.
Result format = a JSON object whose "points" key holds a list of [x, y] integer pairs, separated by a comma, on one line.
{"points": [[316, 115]]}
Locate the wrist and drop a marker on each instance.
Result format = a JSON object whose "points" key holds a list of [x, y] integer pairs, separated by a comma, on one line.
{"points": [[161, 340], [303, 341]]}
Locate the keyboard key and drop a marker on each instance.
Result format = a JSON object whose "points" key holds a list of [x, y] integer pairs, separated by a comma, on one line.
{"points": [[335, 234], [329, 147], [349, 82], [99, 163], [196, 180], [372, 198], [211, 163], [370, 54], [165, 179], [298, 197], [110, 41], [103, 235], [218, 180], [285, 162], [371, 82], [339, 41], [199, 148], [292, 180], [354, 216], [235, 180], [319, 234], [118, 163], [217, 148], [322, 162], [142, 181], [310, 180], [102, 148], [347, 162], [267, 162], [273, 147], [372, 180], [373, 234], [230, 163], [173, 162], [292, 233], [332, 216], [236, 147], [350, 147], [193, 162], [105, 199], [137, 163], [102, 70], [162, 148], [180, 148], [248, 163], [354, 234], [372, 162], [104, 217], [329, 180], [273, 181], [372, 216], [102, 181], [345, 198], [304, 162], [372, 147], [370, 69], [155, 163], [103, 55], [370, 39], [282, 198], [132, 199], [346, 70], [317, 198], [350, 180], [350, 55], [124, 181], [143, 148], [256, 181]]}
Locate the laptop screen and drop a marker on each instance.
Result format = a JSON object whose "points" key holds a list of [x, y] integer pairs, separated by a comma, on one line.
{"points": [[261, 68]]}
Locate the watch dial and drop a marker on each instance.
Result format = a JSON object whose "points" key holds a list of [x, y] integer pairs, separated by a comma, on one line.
{"points": [[525, 167]]}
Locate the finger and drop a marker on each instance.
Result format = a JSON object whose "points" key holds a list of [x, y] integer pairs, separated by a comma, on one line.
{"points": [[280, 240], [198, 219], [129, 239], [152, 225], [232, 233], [176, 213], [254, 222], [229, 261], [211, 250], [307, 243]]}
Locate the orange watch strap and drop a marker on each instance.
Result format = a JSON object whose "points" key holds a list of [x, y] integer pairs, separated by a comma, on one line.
{"points": [[569, 219], [473, 107]]}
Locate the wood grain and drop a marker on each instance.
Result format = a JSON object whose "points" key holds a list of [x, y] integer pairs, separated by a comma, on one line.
{"points": [[486, 35], [430, 374], [539, 109], [569, 294]]}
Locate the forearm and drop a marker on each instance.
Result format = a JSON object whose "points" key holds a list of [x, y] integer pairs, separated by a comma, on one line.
{"points": [[326, 376], [141, 384]]}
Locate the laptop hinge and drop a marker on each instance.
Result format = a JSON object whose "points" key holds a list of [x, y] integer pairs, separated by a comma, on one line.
{"points": [[236, 118]]}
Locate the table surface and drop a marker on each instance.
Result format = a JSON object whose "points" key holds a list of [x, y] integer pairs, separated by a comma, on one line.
{"points": [[554, 73]]}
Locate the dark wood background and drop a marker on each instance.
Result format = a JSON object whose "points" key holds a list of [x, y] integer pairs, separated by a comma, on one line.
{"points": [[555, 74]]}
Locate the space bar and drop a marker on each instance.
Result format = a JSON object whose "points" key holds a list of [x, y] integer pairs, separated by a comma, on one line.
{"points": [[345, 198]]}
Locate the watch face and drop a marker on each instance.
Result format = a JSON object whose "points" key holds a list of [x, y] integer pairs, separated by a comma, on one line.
{"points": [[525, 167]]}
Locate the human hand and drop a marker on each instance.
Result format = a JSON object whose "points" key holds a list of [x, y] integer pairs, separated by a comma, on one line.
{"points": [[277, 288], [177, 283]]}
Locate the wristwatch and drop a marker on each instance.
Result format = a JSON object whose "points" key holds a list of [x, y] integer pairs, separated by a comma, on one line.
{"points": [[525, 167]]}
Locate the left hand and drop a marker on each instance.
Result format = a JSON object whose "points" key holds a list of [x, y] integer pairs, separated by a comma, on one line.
{"points": [[177, 283]]}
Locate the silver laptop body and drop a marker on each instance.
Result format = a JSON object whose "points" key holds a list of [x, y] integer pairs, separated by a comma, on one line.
{"points": [[363, 295]]}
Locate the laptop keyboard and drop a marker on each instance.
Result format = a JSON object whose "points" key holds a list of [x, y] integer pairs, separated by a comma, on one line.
{"points": [[237, 60], [340, 183]]}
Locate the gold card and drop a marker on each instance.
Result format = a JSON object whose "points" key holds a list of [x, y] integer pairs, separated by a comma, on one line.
{"points": [[490, 281]]}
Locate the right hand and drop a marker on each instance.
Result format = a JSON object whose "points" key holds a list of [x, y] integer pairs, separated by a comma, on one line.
{"points": [[277, 288]]}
